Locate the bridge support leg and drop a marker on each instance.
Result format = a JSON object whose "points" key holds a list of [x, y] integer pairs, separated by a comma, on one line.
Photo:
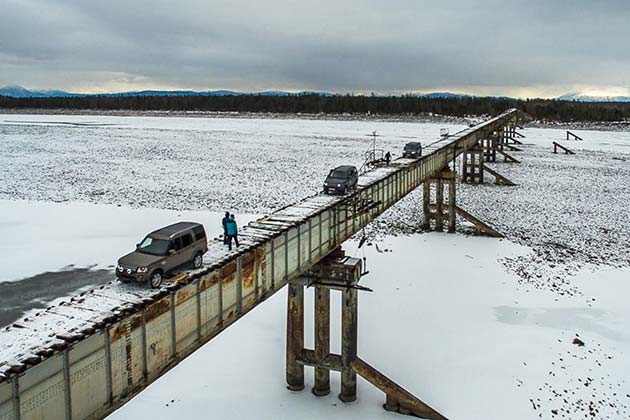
{"points": [[426, 201], [489, 146], [322, 339], [439, 204], [295, 336], [349, 344], [435, 211], [472, 166]]}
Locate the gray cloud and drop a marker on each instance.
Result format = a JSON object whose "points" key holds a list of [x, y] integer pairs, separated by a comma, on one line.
{"points": [[537, 46]]}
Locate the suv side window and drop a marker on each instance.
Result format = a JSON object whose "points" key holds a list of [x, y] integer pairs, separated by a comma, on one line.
{"points": [[199, 232], [176, 244], [187, 240]]}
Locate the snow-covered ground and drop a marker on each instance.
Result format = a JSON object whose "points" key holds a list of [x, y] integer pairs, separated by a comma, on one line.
{"points": [[571, 209], [248, 165], [479, 328]]}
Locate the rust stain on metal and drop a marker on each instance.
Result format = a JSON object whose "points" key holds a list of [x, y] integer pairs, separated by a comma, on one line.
{"points": [[208, 280], [228, 269], [129, 324], [228, 272], [180, 278], [158, 308], [248, 264], [261, 266], [128, 358], [183, 295]]}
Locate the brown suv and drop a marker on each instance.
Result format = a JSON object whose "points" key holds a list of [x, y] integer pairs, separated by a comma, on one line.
{"points": [[163, 250]]}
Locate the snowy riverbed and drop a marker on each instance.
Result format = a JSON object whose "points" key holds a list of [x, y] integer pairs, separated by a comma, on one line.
{"points": [[247, 165]]}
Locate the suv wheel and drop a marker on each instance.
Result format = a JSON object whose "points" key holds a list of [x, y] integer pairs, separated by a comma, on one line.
{"points": [[155, 280], [197, 260]]}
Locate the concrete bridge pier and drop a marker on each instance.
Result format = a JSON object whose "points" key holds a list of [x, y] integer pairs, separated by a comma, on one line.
{"points": [[444, 183]]}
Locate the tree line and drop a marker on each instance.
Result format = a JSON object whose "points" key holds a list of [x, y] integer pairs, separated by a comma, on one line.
{"points": [[539, 109]]}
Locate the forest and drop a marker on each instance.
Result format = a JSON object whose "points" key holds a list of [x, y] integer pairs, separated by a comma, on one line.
{"points": [[538, 109]]}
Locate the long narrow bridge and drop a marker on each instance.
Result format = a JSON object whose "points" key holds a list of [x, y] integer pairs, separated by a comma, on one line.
{"points": [[86, 357]]}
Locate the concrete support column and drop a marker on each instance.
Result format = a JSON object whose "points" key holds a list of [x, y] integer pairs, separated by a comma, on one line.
{"points": [[322, 339], [295, 336], [349, 341]]}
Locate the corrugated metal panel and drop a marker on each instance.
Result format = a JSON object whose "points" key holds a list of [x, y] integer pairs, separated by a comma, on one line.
{"points": [[159, 342], [6, 401], [42, 391], [88, 380]]}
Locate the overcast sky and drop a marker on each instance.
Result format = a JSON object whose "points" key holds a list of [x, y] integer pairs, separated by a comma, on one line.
{"points": [[520, 48]]}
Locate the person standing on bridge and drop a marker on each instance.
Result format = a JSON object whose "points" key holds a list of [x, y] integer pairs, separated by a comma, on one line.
{"points": [[225, 220], [388, 157], [232, 231]]}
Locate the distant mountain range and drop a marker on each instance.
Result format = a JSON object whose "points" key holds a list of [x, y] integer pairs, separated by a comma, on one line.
{"points": [[581, 97], [21, 92]]}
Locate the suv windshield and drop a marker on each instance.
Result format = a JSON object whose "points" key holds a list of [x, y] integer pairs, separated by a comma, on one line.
{"points": [[412, 147], [336, 173], [153, 246]]}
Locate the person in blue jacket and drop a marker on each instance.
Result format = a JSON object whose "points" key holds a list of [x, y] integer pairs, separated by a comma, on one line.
{"points": [[232, 231], [224, 221]]}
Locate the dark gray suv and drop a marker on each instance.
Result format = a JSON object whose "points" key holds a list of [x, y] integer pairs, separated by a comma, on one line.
{"points": [[341, 180], [163, 250], [412, 150]]}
